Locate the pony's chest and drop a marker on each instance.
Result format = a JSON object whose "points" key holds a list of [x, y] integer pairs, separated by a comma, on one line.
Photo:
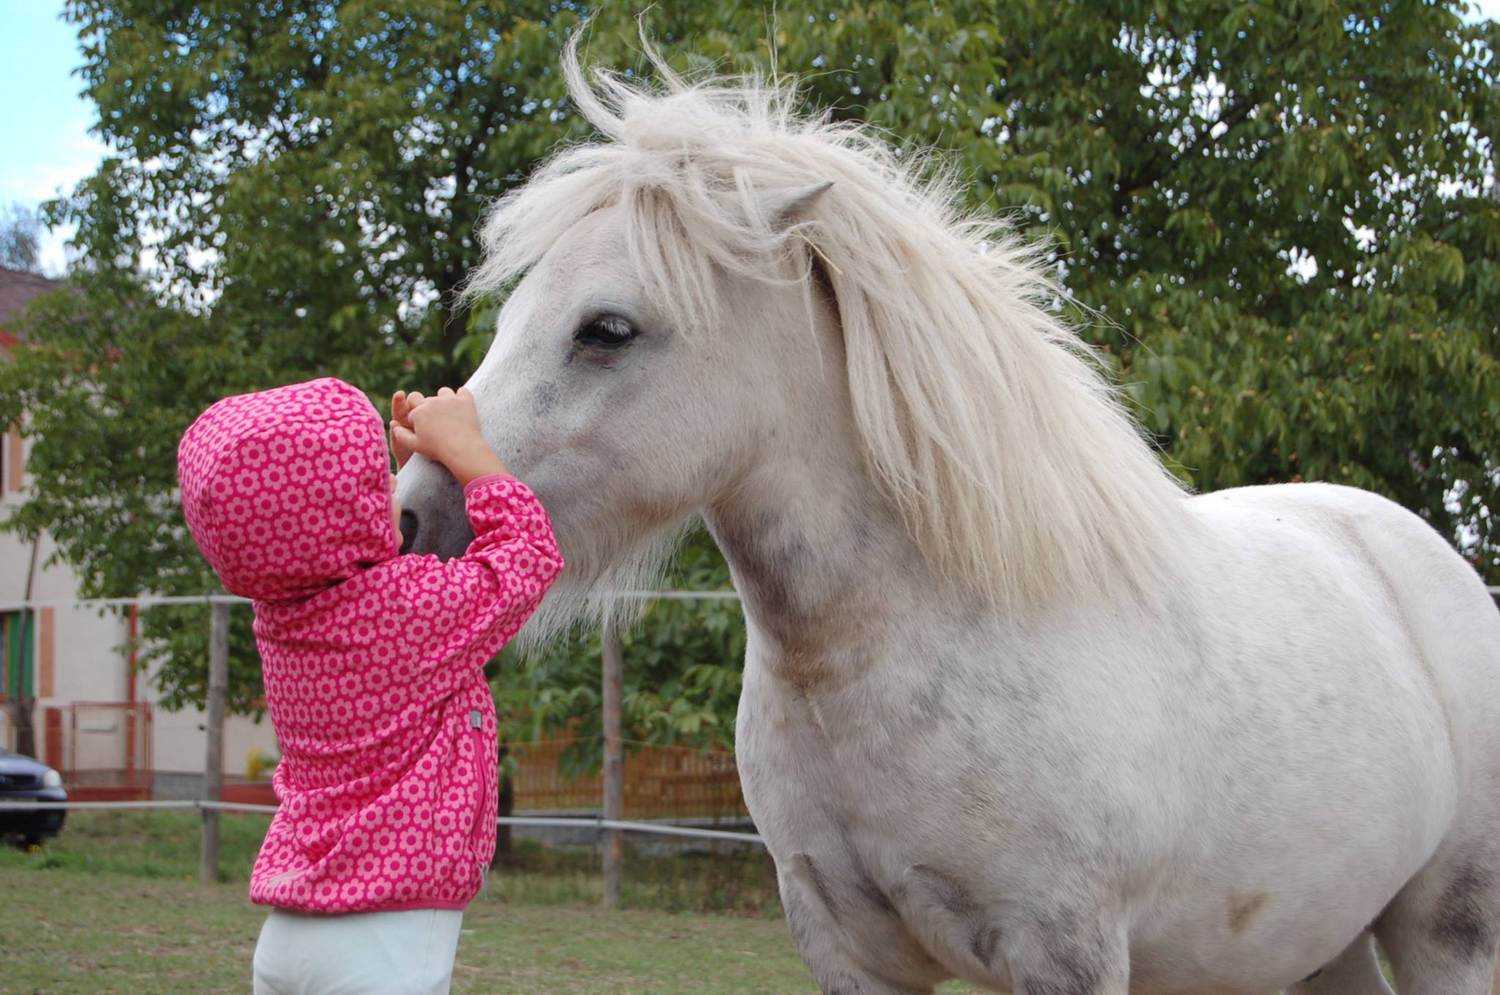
{"points": [[808, 758]]}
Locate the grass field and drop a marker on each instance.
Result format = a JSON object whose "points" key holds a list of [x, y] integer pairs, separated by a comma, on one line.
{"points": [[113, 906], [164, 844], [68, 931], [149, 844]]}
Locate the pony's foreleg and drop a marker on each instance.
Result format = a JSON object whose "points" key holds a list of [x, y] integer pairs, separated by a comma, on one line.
{"points": [[821, 943], [1070, 954], [1356, 971]]}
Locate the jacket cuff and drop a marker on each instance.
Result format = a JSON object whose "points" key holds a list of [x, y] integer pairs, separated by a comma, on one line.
{"points": [[488, 478]]}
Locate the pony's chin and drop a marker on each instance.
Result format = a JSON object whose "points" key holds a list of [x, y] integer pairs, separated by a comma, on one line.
{"points": [[599, 585]]}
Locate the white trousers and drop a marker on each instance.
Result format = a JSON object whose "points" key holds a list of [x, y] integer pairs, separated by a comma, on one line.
{"points": [[372, 953]]}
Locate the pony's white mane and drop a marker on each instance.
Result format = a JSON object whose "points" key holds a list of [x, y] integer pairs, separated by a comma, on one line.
{"points": [[982, 414]]}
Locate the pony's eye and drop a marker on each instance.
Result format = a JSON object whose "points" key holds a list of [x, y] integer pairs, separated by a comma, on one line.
{"points": [[608, 331]]}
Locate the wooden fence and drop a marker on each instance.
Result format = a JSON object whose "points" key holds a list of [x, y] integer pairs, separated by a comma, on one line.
{"points": [[661, 782]]}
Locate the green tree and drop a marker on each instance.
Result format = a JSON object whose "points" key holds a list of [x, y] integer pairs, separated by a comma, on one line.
{"points": [[1276, 209], [293, 193], [1271, 217]]}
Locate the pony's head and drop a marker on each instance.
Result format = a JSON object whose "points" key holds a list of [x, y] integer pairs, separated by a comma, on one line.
{"points": [[720, 274]]}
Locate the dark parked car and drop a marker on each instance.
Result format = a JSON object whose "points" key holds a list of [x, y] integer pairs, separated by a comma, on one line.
{"points": [[23, 779]]}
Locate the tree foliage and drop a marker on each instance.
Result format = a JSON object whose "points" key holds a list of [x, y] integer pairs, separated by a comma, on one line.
{"points": [[1273, 219]]}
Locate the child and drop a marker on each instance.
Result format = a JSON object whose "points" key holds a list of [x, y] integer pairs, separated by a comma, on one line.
{"points": [[372, 664]]}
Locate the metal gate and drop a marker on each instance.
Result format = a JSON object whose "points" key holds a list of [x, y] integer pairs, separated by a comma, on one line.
{"points": [[101, 748]]}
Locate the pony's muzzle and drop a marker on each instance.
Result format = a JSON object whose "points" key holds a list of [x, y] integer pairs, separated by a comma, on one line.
{"points": [[433, 519], [408, 529]]}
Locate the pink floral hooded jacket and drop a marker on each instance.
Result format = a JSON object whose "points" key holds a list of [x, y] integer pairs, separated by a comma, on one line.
{"points": [[371, 661]]}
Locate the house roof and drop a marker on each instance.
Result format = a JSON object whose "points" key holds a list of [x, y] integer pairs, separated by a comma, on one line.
{"points": [[16, 288]]}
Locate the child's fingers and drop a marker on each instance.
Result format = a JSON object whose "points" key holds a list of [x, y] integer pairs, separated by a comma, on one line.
{"points": [[403, 439], [401, 451], [409, 405]]}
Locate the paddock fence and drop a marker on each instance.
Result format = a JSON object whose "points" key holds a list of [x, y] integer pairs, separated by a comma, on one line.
{"points": [[660, 782], [598, 823]]}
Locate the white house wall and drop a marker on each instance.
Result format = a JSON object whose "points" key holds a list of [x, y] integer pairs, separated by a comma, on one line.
{"points": [[87, 662]]}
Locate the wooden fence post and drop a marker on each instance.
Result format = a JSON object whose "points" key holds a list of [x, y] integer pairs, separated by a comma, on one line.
{"points": [[614, 762], [213, 761]]}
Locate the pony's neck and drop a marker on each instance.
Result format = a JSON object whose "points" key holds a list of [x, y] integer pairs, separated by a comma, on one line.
{"points": [[820, 557]]}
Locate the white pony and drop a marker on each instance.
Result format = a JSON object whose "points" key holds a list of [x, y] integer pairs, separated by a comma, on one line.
{"points": [[1016, 708]]}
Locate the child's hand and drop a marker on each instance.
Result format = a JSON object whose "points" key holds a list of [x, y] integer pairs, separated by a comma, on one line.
{"points": [[401, 405], [445, 428]]}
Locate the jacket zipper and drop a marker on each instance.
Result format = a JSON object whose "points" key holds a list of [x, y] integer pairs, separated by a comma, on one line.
{"points": [[476, 721]]}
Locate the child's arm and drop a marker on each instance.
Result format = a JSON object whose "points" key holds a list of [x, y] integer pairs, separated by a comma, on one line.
{"points": [[489, 592], [513, 545]]}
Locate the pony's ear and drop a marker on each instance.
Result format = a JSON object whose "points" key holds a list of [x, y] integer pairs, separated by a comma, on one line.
{"points": [[798, 206]]}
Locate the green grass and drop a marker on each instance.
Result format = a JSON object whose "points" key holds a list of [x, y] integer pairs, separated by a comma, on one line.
{"points": [[113, 906], [71, 931], [164, 844], [150, 844], [738, 884]]}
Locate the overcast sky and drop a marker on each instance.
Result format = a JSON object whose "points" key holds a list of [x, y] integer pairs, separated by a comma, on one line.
{"points": [[45, 147]]}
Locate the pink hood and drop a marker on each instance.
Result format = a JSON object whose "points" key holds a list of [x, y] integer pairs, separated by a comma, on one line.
{"points": [[287, 491]]}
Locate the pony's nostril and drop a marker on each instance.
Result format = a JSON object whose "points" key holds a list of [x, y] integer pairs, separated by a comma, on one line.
{"points": [[408, 530]]}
